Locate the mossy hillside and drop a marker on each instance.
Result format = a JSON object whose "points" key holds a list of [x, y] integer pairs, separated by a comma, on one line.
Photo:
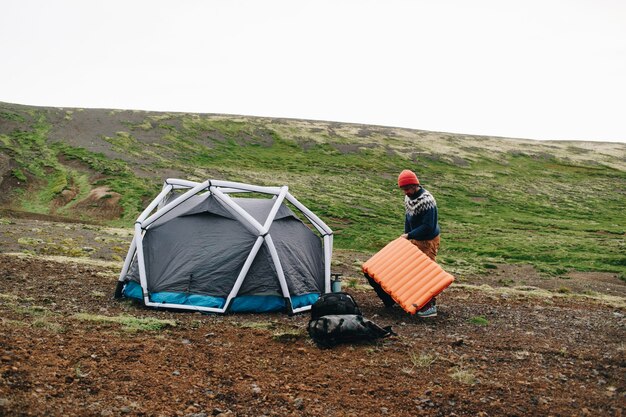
{"points": [[509, 207]]}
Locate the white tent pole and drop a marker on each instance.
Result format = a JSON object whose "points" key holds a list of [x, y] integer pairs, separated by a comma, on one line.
{"points": [[177, 183], [332, 243], [237, 209], [279, 268], [185, 307], [244, 270], [141, 263], [234, 190], [128, 260], [316, 221], [272, 214], [246, 187], [166, 189], [327, 261], [147, 222]]}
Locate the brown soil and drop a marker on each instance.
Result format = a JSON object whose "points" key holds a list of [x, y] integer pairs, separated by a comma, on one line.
{"points": [[520, 346]]}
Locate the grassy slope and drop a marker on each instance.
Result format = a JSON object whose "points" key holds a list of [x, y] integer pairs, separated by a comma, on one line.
{"points": [[558, 206]]}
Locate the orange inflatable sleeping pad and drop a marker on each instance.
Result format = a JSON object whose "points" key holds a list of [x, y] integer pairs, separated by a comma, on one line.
{"points": [[405, 273]]}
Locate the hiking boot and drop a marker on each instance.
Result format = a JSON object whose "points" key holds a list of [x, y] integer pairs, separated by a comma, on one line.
{"points": [[429, 310]]}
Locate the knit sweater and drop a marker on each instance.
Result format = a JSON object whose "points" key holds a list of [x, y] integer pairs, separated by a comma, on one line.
{"points": [[421, 219]]}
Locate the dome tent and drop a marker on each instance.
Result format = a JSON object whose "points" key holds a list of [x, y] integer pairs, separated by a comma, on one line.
{"points": [[196, 247]]}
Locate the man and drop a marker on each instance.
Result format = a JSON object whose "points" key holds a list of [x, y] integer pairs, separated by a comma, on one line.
{"points": [[421, 228]]}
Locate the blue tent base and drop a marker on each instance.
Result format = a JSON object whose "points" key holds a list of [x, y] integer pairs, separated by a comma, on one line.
{"points": [[241, 304]]}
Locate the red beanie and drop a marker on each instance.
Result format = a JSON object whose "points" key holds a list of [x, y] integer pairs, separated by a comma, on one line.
{"points": [[407, 177]]}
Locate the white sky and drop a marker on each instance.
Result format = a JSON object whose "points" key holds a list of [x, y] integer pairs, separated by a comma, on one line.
{"points": [[536, 69]]}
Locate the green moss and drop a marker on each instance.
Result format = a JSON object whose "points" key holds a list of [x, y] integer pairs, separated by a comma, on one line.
{"points": [[479, 321], [17, 173], [11, 116], [124, 143], [129, 322]]}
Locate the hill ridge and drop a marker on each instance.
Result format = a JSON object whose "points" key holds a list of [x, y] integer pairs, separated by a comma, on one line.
{"points": [[104, 165]]}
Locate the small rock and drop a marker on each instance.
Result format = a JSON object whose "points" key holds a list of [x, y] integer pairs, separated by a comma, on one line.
{"points": [[176, 373], [298, 403], [197, 415], [458, 342]]}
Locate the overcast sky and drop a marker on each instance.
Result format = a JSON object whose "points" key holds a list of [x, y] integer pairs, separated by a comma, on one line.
{"points": [[536, 69]]}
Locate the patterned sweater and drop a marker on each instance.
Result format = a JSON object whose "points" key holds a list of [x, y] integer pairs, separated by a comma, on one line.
{"points": [[421, 220]]}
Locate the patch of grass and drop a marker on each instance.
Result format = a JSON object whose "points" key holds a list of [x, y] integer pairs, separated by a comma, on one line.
{"points": [[352, 283], [79, 181], [262, 325], [48, 325], [30, 241], [521, 355], [288, 335], [129, 322], [464, 376], [506, 282], [11, 116], [479, 321], [18, 174], [124, 143], [63, 249], [422, 360], [13, 323], [10, 297]]}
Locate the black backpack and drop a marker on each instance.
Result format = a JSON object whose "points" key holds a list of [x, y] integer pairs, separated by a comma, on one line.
{"points": [[331, 330], [336, 318], [334, 303]]}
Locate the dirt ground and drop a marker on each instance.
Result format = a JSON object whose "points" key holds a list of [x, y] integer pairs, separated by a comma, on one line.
{"points": [[508, 343]]}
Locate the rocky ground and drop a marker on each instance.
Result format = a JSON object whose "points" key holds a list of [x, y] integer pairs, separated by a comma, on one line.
{"points": [[507, 343]]}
